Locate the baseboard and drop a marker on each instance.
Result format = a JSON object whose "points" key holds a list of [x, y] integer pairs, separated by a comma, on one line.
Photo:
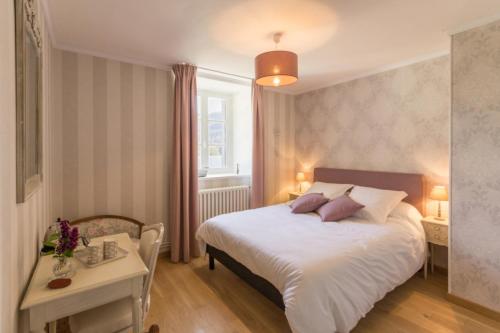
{"points": [[474, 307]]}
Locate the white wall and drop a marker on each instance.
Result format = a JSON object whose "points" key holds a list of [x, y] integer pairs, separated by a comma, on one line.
{"points": [[23, 225], [242, 130]]}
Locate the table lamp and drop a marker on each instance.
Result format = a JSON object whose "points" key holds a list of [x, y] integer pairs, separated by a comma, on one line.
{"points": [[439, 193], [300, 177]]}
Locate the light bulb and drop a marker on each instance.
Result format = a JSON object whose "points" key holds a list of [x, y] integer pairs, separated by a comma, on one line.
{"points": [[276, 81]]}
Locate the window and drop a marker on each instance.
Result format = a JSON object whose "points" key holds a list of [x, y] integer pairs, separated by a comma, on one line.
{"points": [[215, 132]]}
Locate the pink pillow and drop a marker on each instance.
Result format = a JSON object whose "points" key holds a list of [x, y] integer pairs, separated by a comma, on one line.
{"points": [[338, 209], [308, 203]]}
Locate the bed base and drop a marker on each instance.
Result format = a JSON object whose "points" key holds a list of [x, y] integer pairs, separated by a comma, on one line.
{"points": [[260, 284]]}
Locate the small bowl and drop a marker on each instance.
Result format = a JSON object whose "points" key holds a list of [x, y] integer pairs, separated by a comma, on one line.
{"points": [[202, 172]]}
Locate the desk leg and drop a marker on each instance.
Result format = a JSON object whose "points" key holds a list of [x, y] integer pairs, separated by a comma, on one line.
{"points": [[137, 315], [37, 329], [37, 321], [53, 327], [426, 262], [432, 258]]}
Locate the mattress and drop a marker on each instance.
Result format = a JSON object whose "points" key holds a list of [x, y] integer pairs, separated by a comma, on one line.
{"points": [[330, 274]]}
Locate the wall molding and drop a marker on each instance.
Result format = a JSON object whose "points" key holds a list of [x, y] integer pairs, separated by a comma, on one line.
{"points": [[474, 24], [469, 305], [128, 60], [378, 70]]}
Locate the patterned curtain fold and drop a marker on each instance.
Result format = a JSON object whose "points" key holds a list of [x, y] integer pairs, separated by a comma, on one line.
{"points": [[257, 147], [184, 189]]}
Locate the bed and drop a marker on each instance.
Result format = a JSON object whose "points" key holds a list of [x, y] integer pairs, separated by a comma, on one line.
{"points": [[326, 276]]}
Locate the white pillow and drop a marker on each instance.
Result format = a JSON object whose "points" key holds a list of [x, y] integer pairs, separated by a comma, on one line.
{"points": [[329, 190], [378, 203], [404, 210]]}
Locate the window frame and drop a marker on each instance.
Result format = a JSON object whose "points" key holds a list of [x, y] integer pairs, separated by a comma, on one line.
{"points": [[202, 96]]}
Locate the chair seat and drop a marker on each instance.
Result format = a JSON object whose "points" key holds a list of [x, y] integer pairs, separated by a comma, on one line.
{"points": [[108, 318]]}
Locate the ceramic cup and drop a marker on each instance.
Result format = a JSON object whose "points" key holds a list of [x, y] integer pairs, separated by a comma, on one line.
{"points": [[110, 248], [94, 254]]}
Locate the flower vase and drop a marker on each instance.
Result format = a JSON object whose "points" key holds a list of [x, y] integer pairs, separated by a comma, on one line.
{"points": [[63, 267]]}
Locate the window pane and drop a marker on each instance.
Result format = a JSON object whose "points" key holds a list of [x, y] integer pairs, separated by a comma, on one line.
{"points": [[216, 157], [216, 133], [216, 109]]}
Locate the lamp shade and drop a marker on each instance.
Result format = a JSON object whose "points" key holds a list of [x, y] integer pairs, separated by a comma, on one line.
{"points": [[300, 177], [276, 68], [439, 193]]}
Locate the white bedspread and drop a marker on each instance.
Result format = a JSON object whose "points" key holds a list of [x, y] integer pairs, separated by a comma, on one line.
{"points": [[330, 274]]}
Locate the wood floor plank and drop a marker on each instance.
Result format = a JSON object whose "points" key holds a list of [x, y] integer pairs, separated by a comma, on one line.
{"points": [[189, 298]]}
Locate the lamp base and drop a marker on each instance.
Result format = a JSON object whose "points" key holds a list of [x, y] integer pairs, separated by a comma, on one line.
{"points": [[438, 218]]}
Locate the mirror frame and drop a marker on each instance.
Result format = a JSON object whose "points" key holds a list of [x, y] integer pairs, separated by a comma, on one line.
{"points": [[27, 26]]}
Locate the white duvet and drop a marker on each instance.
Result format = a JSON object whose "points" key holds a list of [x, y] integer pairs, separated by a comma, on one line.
{"points": [[330, 274]]}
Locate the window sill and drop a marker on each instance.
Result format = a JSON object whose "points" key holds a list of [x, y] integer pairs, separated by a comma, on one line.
{"points": [[223, 180], [224, 176]]}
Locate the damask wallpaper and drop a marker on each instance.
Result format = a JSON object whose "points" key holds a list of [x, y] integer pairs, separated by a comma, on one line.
{"points": [[475, 158], [392, 121]]}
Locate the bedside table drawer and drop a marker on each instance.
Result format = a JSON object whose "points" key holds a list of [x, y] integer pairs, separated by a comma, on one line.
{"points": [[436, 234]]}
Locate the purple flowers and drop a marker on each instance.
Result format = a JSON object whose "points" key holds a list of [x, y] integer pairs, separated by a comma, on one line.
{"points": [[68, 239]]}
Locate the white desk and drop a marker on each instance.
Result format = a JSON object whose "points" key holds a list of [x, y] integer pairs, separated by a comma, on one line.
{"points": [[90, 287]]}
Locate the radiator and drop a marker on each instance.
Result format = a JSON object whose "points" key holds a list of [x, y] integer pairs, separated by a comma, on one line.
{"points": [[216, 201]]}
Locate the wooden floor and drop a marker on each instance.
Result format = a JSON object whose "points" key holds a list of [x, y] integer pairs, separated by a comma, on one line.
{"points": [[189, 298]]}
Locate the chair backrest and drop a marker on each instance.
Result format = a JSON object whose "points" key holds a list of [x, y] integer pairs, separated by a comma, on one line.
{"points": [[149, 247], [103, 225]]}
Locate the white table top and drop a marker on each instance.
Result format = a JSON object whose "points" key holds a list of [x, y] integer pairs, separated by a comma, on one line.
{"points": [[85, 278], [432, 219]]}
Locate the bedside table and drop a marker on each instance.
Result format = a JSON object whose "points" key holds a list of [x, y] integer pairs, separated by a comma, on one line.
{"points": [[294, 195], [436, 233]]}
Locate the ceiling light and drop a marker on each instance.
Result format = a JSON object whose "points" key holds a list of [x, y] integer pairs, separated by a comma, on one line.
{"points": [[276, 68]]}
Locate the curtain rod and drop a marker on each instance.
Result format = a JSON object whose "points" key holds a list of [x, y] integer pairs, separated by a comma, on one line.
{"points": [[224, 73]]}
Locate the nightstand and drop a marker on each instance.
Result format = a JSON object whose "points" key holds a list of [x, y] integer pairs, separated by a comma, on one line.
{"points": [[436, 233], [294, 195]]}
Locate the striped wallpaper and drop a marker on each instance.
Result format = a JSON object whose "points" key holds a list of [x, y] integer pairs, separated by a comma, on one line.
{"points": [[112, 138], [22, 225], [279, 138]]}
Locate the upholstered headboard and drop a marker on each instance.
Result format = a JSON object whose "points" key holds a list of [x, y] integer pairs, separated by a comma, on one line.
{"points": [[411, 183]]}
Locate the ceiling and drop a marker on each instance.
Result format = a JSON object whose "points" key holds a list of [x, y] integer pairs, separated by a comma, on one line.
{"points": [[336, 40]]}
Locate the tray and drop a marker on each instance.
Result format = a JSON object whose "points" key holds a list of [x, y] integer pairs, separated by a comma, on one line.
{"points": [[82, 256]]}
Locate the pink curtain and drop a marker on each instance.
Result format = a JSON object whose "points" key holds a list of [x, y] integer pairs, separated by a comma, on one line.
{"points": [[257, 147], [184, 195]]}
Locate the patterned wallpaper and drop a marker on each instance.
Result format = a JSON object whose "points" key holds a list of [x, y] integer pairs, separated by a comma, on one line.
{"points": [[392, 121], [22, 225], [475, 158], [110, 138]]}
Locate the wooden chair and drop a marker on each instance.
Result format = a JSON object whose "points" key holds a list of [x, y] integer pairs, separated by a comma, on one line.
{"points": [[154, 329], [103, 225], [117, 316]]}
